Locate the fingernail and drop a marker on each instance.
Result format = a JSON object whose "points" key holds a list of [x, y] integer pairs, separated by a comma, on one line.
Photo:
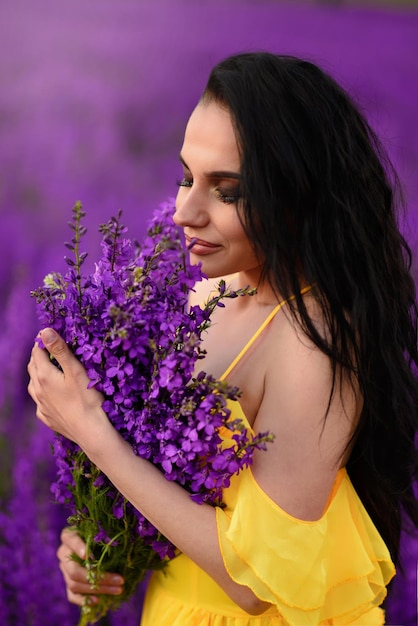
{"points": [[91, 600], [48, 336], [117, 580]]}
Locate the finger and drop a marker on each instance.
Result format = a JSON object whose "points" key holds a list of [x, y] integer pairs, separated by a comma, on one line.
{"points": [[40, 365], [72, 540], [79, 599], [111, 583], [75, 574], [38, 352], [76, 581], [57, 347], [31, 367], [31, 390], [65, 557]]}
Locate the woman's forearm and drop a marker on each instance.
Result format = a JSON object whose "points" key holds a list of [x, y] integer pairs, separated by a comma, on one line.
{"points": [[189, 526], [67, 405]]}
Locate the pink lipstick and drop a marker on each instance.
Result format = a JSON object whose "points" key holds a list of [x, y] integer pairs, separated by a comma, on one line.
{"points": [[200, 246]]}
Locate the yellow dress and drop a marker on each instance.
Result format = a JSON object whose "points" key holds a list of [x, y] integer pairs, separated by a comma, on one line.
{"points": [[329, 572]]}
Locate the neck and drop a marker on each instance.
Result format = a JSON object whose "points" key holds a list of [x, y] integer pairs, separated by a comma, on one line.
{"points": [[265, 295]]}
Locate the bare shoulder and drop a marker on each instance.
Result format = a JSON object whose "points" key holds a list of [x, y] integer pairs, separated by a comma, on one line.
{"points": [[298, 374], [312, 427]]}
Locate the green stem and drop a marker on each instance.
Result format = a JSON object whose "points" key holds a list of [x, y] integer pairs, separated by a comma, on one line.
{"points": [[78, 215]]}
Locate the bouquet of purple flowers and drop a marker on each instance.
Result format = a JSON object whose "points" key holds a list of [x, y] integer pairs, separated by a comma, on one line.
{"points": [[130, 325]]}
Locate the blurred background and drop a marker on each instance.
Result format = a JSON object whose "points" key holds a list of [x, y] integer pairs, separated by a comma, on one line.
{"points": [[94, 97]]}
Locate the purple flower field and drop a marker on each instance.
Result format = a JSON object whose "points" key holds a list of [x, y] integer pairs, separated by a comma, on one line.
{"points": [[93, 102]]}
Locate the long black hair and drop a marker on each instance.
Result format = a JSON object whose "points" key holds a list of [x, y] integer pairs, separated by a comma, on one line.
{"points": [[319, 202]]}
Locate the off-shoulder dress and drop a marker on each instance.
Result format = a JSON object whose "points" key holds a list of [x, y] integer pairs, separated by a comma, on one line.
{"points": [[331, 571]]}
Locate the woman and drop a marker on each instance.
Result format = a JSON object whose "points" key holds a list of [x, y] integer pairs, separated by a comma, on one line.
{"points": [[284, 188]]}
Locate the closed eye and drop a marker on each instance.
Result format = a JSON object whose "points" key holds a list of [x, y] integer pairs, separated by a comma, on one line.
{"points": [[227, 197], [184, 182]]}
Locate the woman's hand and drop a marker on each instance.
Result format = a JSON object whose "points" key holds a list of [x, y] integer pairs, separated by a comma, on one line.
{"points": [[64, 403], [75, 576]]}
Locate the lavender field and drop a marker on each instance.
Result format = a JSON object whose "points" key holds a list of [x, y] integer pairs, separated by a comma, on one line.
{"points": [[94, 97]]}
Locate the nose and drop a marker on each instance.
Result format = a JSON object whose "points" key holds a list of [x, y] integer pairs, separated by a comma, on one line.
{"points": [[191, 208]]}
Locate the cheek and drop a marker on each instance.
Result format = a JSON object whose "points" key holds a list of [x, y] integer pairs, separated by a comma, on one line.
{"points": [[243, 245], [237, 232]]}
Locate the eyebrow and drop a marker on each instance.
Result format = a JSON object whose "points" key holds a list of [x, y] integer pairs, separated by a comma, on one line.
{"points": [[215, 174]]}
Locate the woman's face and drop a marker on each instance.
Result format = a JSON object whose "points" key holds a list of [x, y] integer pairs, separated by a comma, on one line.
{"points": [[208, 197]]}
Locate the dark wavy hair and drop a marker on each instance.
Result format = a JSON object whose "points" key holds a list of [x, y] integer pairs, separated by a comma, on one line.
{"points": [[319, 201]]}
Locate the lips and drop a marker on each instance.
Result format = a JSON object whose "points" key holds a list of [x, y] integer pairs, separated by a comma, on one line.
{"points": [[193, 242], [200, 246]]}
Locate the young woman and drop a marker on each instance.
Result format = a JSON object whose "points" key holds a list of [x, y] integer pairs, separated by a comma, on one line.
{"points": [[286, 188]]}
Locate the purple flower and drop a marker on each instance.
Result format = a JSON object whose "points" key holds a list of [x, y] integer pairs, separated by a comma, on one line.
{"points": [[130, 325]]}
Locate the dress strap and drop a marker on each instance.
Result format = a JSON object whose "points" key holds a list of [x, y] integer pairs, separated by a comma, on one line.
{"points": [[258, 333]]}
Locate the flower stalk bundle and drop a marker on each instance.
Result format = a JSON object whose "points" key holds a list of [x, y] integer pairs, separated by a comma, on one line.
{"points": [[130, 325]]}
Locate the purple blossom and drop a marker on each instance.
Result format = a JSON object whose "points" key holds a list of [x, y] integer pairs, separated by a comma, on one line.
{"points": [[41, 167], [130, 325]]}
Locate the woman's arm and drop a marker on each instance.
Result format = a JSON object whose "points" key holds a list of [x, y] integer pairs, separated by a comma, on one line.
{"points": [[297, 471], [66, 405]]}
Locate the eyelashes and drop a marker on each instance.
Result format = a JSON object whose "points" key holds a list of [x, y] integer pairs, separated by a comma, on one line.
{"points": [[226, 196], [184, 182]]}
